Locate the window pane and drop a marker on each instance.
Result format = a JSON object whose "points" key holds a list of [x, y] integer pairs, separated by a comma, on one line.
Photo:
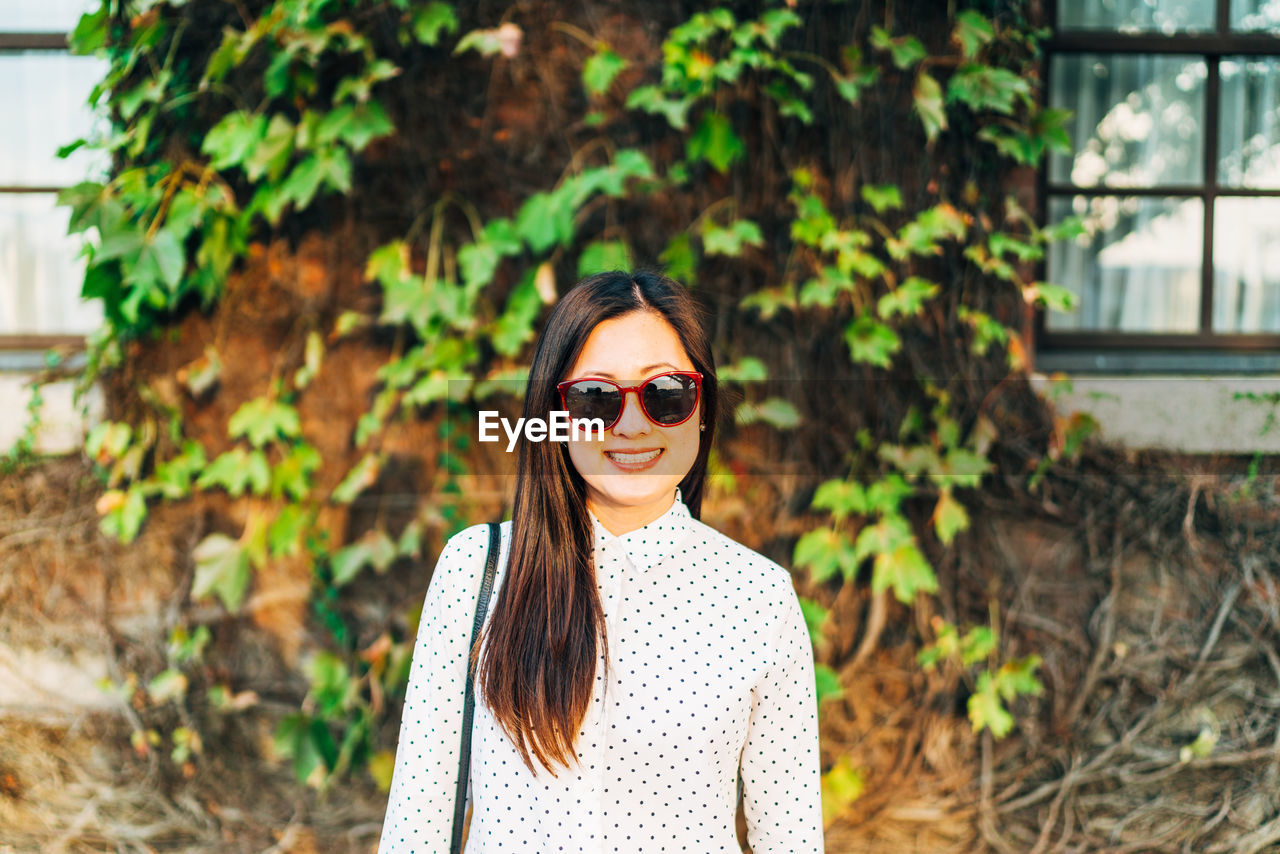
{"points": [[1136, 16], [1138, 119], [43, 98], [43, 16], [1255, 15], [40, 273], [1250, 136], [1136, 270], [1246, 261]]}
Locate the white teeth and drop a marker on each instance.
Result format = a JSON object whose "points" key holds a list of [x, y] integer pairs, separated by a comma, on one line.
{"points": [[633, 459]]}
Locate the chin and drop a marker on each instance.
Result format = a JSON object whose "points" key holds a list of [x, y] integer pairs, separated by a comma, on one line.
{"points": [[632, 490]]}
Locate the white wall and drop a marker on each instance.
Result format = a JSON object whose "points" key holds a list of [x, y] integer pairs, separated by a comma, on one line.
{"points": [[1177, 413], [62, 423]]}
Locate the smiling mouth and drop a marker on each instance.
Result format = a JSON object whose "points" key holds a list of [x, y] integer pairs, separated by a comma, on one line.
{"points": [[632, 459]]}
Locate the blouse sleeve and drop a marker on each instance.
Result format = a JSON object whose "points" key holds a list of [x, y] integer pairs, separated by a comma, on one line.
{"points": [[781, 765], [420, 804]]}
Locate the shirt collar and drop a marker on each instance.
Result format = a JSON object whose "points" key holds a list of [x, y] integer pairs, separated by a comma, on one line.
{"points": [[649, 545]]}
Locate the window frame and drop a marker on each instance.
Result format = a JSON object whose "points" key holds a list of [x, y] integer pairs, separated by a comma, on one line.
{"points": [[15, 42], [1204, 348]]}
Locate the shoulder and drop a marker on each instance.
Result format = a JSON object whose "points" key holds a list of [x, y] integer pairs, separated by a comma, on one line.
{"points": [[736, 563], [462, 560]]}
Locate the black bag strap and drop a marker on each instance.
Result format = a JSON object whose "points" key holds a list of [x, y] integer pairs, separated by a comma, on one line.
{"points": [[469, 703]]}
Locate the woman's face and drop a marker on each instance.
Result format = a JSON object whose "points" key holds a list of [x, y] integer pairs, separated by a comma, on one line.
{"points": [[625, 489]]}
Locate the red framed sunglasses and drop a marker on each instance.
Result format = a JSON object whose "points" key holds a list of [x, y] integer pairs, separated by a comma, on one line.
{"points": [[665, 399]]}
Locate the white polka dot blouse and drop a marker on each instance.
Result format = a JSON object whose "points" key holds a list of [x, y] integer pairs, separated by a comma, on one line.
{"points": [[710, 677]]}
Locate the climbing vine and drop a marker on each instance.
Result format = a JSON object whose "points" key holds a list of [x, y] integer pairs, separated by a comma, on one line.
{"points": [[219, 145]]}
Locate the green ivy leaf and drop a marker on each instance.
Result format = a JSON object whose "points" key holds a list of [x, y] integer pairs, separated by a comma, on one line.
{"points": [[233, 49], [906, 51], [161, 261], [233, 138], [374, 549], [309, 743], [774, 411], [600, 69], [715, 141], [986, 710], [679, 260], [972, 31], [167, 685], [504, 39], [814, 617], [478, 262], [982, 87], [174, 476], [904, 569], [543, 220], [927, 96], [355, 124], [515, 326], [841, 786], [90, 33], [1052, 297], [827, 685], [730, 239], [949, 517], [922, 235], [768, 301], [977, 643], [963, 467], [292, 475], [124, 520], [284, 536], [263, 420], [1018, 677], [330, 167], [871, 342], [430, 21], [222, 569], [272, 154], [907, 299], [748, 369], [882, 197], [825, 552], [841, 498], [362, 475], [651, 99], [312, 356], [359, 87], [602, 255], [1002, 244], [235, 470]]}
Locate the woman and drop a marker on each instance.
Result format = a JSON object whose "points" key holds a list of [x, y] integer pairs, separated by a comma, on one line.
{"points": [[635, 661]]}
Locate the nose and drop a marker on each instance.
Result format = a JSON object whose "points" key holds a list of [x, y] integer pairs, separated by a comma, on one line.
{"points": [[632, 421]]}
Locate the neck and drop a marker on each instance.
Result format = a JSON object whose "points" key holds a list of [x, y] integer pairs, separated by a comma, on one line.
{"points": [[623, 519]]}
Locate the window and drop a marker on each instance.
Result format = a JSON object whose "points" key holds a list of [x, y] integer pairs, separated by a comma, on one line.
{"points": [[43, 95], [1176, 177]]}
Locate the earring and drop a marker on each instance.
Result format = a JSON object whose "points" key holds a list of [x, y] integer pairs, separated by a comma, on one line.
{"points": [[702, 426]]}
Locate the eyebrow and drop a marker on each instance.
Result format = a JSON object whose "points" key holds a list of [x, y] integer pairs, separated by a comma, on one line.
{"points": [[643, 370]]}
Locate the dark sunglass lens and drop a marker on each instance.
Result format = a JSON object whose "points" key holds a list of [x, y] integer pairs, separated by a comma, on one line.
{"points": [[670, 399], [591, 399]]}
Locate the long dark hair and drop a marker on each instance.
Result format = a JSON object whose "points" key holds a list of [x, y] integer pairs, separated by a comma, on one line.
{"points": [[540, 646]]}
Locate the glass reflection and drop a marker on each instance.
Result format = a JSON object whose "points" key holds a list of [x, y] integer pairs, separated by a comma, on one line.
{"points": [[1246, 265], [40, 273], [44, 16], [1136, 16], [44, 102], [1249, 139], [1251, 15], [1138, 119], [1137, 267]]}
